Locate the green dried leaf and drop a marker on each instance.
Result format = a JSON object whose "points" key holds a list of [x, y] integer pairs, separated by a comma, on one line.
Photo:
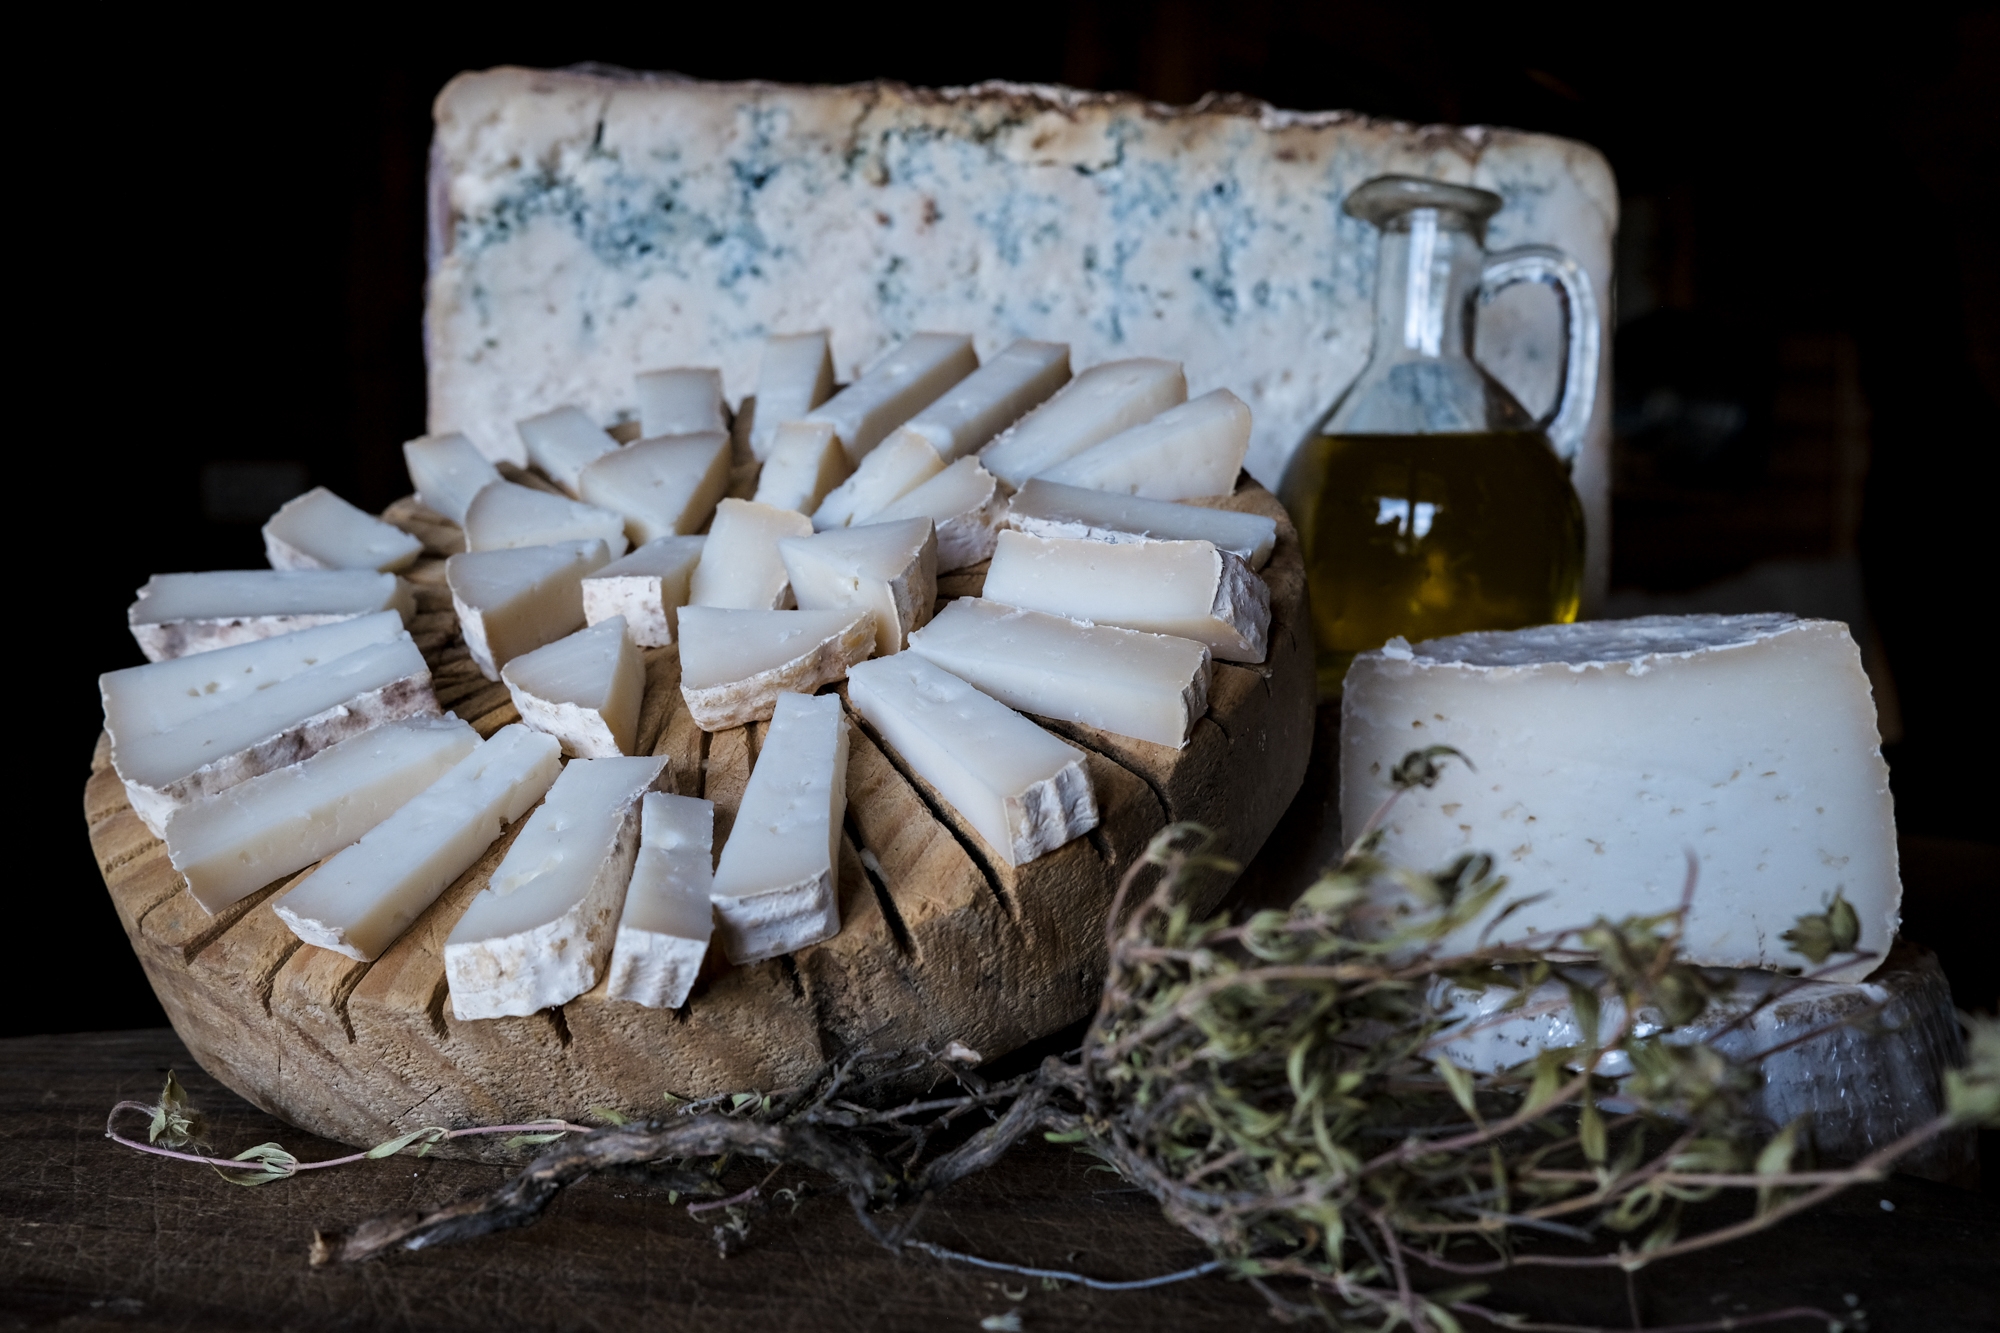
{"points": [[429, 1133], [175, 1124], [1972, 1093], [608, 1115], [1590, 1133], [1818, 936], [529, 1140], [1460, 1083], [272, 1163]]}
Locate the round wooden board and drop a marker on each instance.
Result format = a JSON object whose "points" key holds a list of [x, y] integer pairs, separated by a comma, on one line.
{"points": [[940, 940]]}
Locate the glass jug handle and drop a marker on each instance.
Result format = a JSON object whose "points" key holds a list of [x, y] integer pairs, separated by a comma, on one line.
{"points": [[1582, 332]]}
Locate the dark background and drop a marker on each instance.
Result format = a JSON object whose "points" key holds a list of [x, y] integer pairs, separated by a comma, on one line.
{"points": [[219, 259]]}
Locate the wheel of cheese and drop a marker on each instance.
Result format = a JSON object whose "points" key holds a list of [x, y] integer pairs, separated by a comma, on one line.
{"points": [[939, 941]]}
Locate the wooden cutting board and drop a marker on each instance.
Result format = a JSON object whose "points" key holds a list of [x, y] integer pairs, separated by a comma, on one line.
{"points": [[940, 940]]}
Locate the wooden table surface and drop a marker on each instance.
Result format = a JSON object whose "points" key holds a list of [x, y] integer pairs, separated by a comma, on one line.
{"points": [[97, 1236]]}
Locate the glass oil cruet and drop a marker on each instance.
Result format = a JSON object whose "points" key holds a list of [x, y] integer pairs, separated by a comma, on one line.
{"points": [[1428, 500]]}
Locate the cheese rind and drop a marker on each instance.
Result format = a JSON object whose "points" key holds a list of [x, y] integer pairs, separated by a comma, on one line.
{"points": [[1094, 406], [897, 387], [229, 845], [363, 899], [1047, 508], [776, 887], [664, 487], [1002, 391], [541, 931], [735, 664], [564, 442], [1024, 791], [647, 587], [740, 566], [794, 375], [685, 401], [448, 470], [1185, 588], [1609, 751], [897, 466], [583, 689], [1185, 453], [512, 602], [319, 530], [804, 464], [180, 614], [664, 932], [1153, 687], [507, 515], [886, 569], [966, 506]]}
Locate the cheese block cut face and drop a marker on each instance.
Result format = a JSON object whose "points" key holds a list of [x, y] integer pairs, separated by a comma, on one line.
{"points": [[1608, 752], [647, 587], [794, 375], [1047, 508], [681, 402], [447, 471], [583, 689], [179, 614], [992, 398], [513, 602], [319, 530], [964, 503], [735, 664], [662, 488], [506, 515], [1094, 406], [886, 569], [1185, 453], [564, 442]]}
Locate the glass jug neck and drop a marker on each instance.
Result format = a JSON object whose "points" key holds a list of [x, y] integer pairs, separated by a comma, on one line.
{"points": [[1426, 277]]}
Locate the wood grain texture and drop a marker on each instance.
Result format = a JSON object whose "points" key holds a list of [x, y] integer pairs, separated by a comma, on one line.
{"points": [[940, 939]]}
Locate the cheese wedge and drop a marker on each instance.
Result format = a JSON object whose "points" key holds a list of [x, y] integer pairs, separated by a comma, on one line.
{"points": [[1094, 406], [364, 898], [647, 587], [794, 376], [897, 466], [735, 664], [665, 487], [805, 462], [583, 689], [964, 503], [1609, 752], [319, 530], [1153, 687], [1187, 452], [992, 398], [192, 726], [1025, 792], [777, 886], [564, 442], [1185, 588], [447, 470], [664, 932], [229, 845], [897, 387], [540, 933], [740, 566], [1047, 508], [179, 614], [513, 602], [681, 402], [506, 516], [886, 569]]}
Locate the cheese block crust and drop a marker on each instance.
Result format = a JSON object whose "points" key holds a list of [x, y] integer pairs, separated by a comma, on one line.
{"points": [[934, 927]]}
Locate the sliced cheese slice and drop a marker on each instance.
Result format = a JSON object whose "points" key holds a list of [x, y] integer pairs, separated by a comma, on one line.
{"points": [[513, 602], [1610, 752], [886, 569], [1094, 406], [319, 530], [229, 845], [541, 931], [179, 614], [992, 398], [1050, 509], [805, 462], [794, 376], [777, 885], [740, 567], [1185, 588], [1185, 453], [664, 932], [564, 442], [647, 587], [665, 487], [1153, 687], [583, 689], [897, 466], [1024, 791], [966, 505], [448, 470], [681, 402], [363, 899], [897, 387], [735, 664], [192, 726], [507, 515]]}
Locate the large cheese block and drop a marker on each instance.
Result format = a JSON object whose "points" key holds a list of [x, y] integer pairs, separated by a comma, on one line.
{"points": [[587, 228]]}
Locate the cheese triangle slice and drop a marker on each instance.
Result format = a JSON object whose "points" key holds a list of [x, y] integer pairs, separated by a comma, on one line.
{"points": [[804, 465], [1094, 406], [507, 515], [665, 487], [898, 466], [740, 567], [735, 664], [563, 442], [1185, 453], [910, 378], [886, 569], [647, 587], [180, 614], [663, 935], [992, 398], [1050, 509], [319, 530], [583, 689], [513, 602], [794, 376], [967, 506], [448, 470], [685, 401]]}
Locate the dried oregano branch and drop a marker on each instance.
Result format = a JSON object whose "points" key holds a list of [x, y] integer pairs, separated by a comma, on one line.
{"points": [[1278, 1086]]}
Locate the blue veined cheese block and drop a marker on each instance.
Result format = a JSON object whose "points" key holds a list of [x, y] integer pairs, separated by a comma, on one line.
{"points": [[587, 228]]}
